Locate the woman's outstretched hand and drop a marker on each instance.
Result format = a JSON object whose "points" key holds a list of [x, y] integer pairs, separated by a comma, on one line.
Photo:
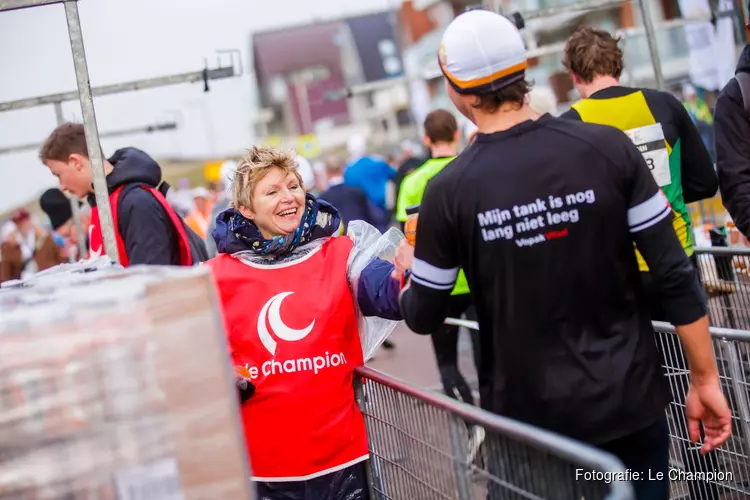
{"points": [[403, 259]]}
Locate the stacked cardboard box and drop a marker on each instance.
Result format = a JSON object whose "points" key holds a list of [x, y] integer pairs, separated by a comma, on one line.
{"points": [[116, 384]]}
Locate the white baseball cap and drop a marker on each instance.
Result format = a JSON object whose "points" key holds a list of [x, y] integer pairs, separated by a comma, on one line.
{"points": [[482, 51]]}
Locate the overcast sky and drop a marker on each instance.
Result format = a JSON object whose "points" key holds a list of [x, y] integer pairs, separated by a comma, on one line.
{"points": [[132, 39]]}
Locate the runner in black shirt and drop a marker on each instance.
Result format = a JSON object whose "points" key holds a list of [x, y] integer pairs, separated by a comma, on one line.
{"points": [[542, 216]]}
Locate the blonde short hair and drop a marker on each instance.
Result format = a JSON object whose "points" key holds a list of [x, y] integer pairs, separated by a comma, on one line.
{"points": [[254, 166]]}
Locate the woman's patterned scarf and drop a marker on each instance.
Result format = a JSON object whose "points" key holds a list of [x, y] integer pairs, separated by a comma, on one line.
{"points": [[318, 220]]}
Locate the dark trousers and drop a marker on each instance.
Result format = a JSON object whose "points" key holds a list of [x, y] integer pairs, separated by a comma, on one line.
{"points": [[346, 484], [533, 471], [647, 453], [445, 343], [691, 458]]}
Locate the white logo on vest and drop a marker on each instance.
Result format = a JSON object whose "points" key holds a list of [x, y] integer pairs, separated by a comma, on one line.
{"points": [[272, 311], [270, 315], [93, 254]]}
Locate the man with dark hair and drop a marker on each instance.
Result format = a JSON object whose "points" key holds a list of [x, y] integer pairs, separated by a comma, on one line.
{"points": [[442, 136], [148, 230], [656, 121], [542, 215]]}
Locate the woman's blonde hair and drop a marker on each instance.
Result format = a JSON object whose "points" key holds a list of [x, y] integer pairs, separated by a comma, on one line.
{"points": [[258, 161]]}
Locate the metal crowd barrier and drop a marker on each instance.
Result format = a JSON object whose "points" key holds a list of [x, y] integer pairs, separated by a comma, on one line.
{"points": [[426, 446], [724, 473], [726, 279]]}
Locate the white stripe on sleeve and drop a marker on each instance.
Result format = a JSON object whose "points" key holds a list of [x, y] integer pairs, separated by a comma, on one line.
{"points": [[429, 284], [432, 276], [648, 213]]}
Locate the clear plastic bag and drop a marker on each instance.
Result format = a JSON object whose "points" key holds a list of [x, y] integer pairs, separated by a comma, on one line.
{"points": [[369, 244], [63, 273]]}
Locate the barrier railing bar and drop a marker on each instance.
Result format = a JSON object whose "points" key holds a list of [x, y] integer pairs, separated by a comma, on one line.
{"points": [[6, 5], [145, 129], [472, 325], [728, 251], [741, 395], [717, 333], [584, 5], [118, 88], [720, 333], [565, 447]]}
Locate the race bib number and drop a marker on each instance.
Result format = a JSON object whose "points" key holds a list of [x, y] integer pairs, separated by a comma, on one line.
{"points": [[650, 142]]}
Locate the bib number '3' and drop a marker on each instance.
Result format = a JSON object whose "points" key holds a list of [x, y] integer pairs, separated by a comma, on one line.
{"points": [[650, 142]]}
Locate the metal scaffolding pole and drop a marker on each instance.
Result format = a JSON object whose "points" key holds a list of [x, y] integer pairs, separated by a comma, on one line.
{"points": [[85, 95], [75, 208], [571, 7], [648, 24], [6, 5], [92, 134], [158, 127], [118, 88]]}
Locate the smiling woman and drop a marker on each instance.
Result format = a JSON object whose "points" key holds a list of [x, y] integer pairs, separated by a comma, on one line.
{"points": [[296, 307], [276, 201]]}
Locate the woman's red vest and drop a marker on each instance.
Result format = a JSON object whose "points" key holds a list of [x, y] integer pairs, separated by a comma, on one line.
{"points": [[293, 328]]}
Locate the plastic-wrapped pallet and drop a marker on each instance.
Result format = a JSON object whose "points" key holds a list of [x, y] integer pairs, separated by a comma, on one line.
{"points": [[115, 384]]}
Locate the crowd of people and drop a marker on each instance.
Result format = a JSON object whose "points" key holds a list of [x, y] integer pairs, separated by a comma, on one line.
{"points": [[565, 237]]}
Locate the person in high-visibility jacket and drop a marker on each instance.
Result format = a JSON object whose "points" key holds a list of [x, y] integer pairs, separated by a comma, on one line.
{"points": [[669, 141], [441, 135]]}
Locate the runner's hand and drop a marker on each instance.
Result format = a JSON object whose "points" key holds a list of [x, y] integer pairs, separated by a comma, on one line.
{"points": [[705, 403], [403, 259]]}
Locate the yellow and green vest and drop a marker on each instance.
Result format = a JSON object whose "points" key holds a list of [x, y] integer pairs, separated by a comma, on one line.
{"points": [[632, 114], [411, 193]]}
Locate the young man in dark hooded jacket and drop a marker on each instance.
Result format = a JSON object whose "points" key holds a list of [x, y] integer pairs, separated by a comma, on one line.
{"points": [[732, 131], [148, 230]]}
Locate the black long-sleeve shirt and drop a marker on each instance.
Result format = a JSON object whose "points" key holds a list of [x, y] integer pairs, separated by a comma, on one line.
{"points": [[542, 218], [732, 129]]}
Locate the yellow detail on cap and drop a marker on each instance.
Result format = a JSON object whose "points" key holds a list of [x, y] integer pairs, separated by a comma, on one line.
{"points": [[442, 56], [467, 84]]}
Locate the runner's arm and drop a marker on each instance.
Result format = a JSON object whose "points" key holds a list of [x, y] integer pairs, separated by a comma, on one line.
{"points": [[424, 301], [146, 229], [699, 179]]}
